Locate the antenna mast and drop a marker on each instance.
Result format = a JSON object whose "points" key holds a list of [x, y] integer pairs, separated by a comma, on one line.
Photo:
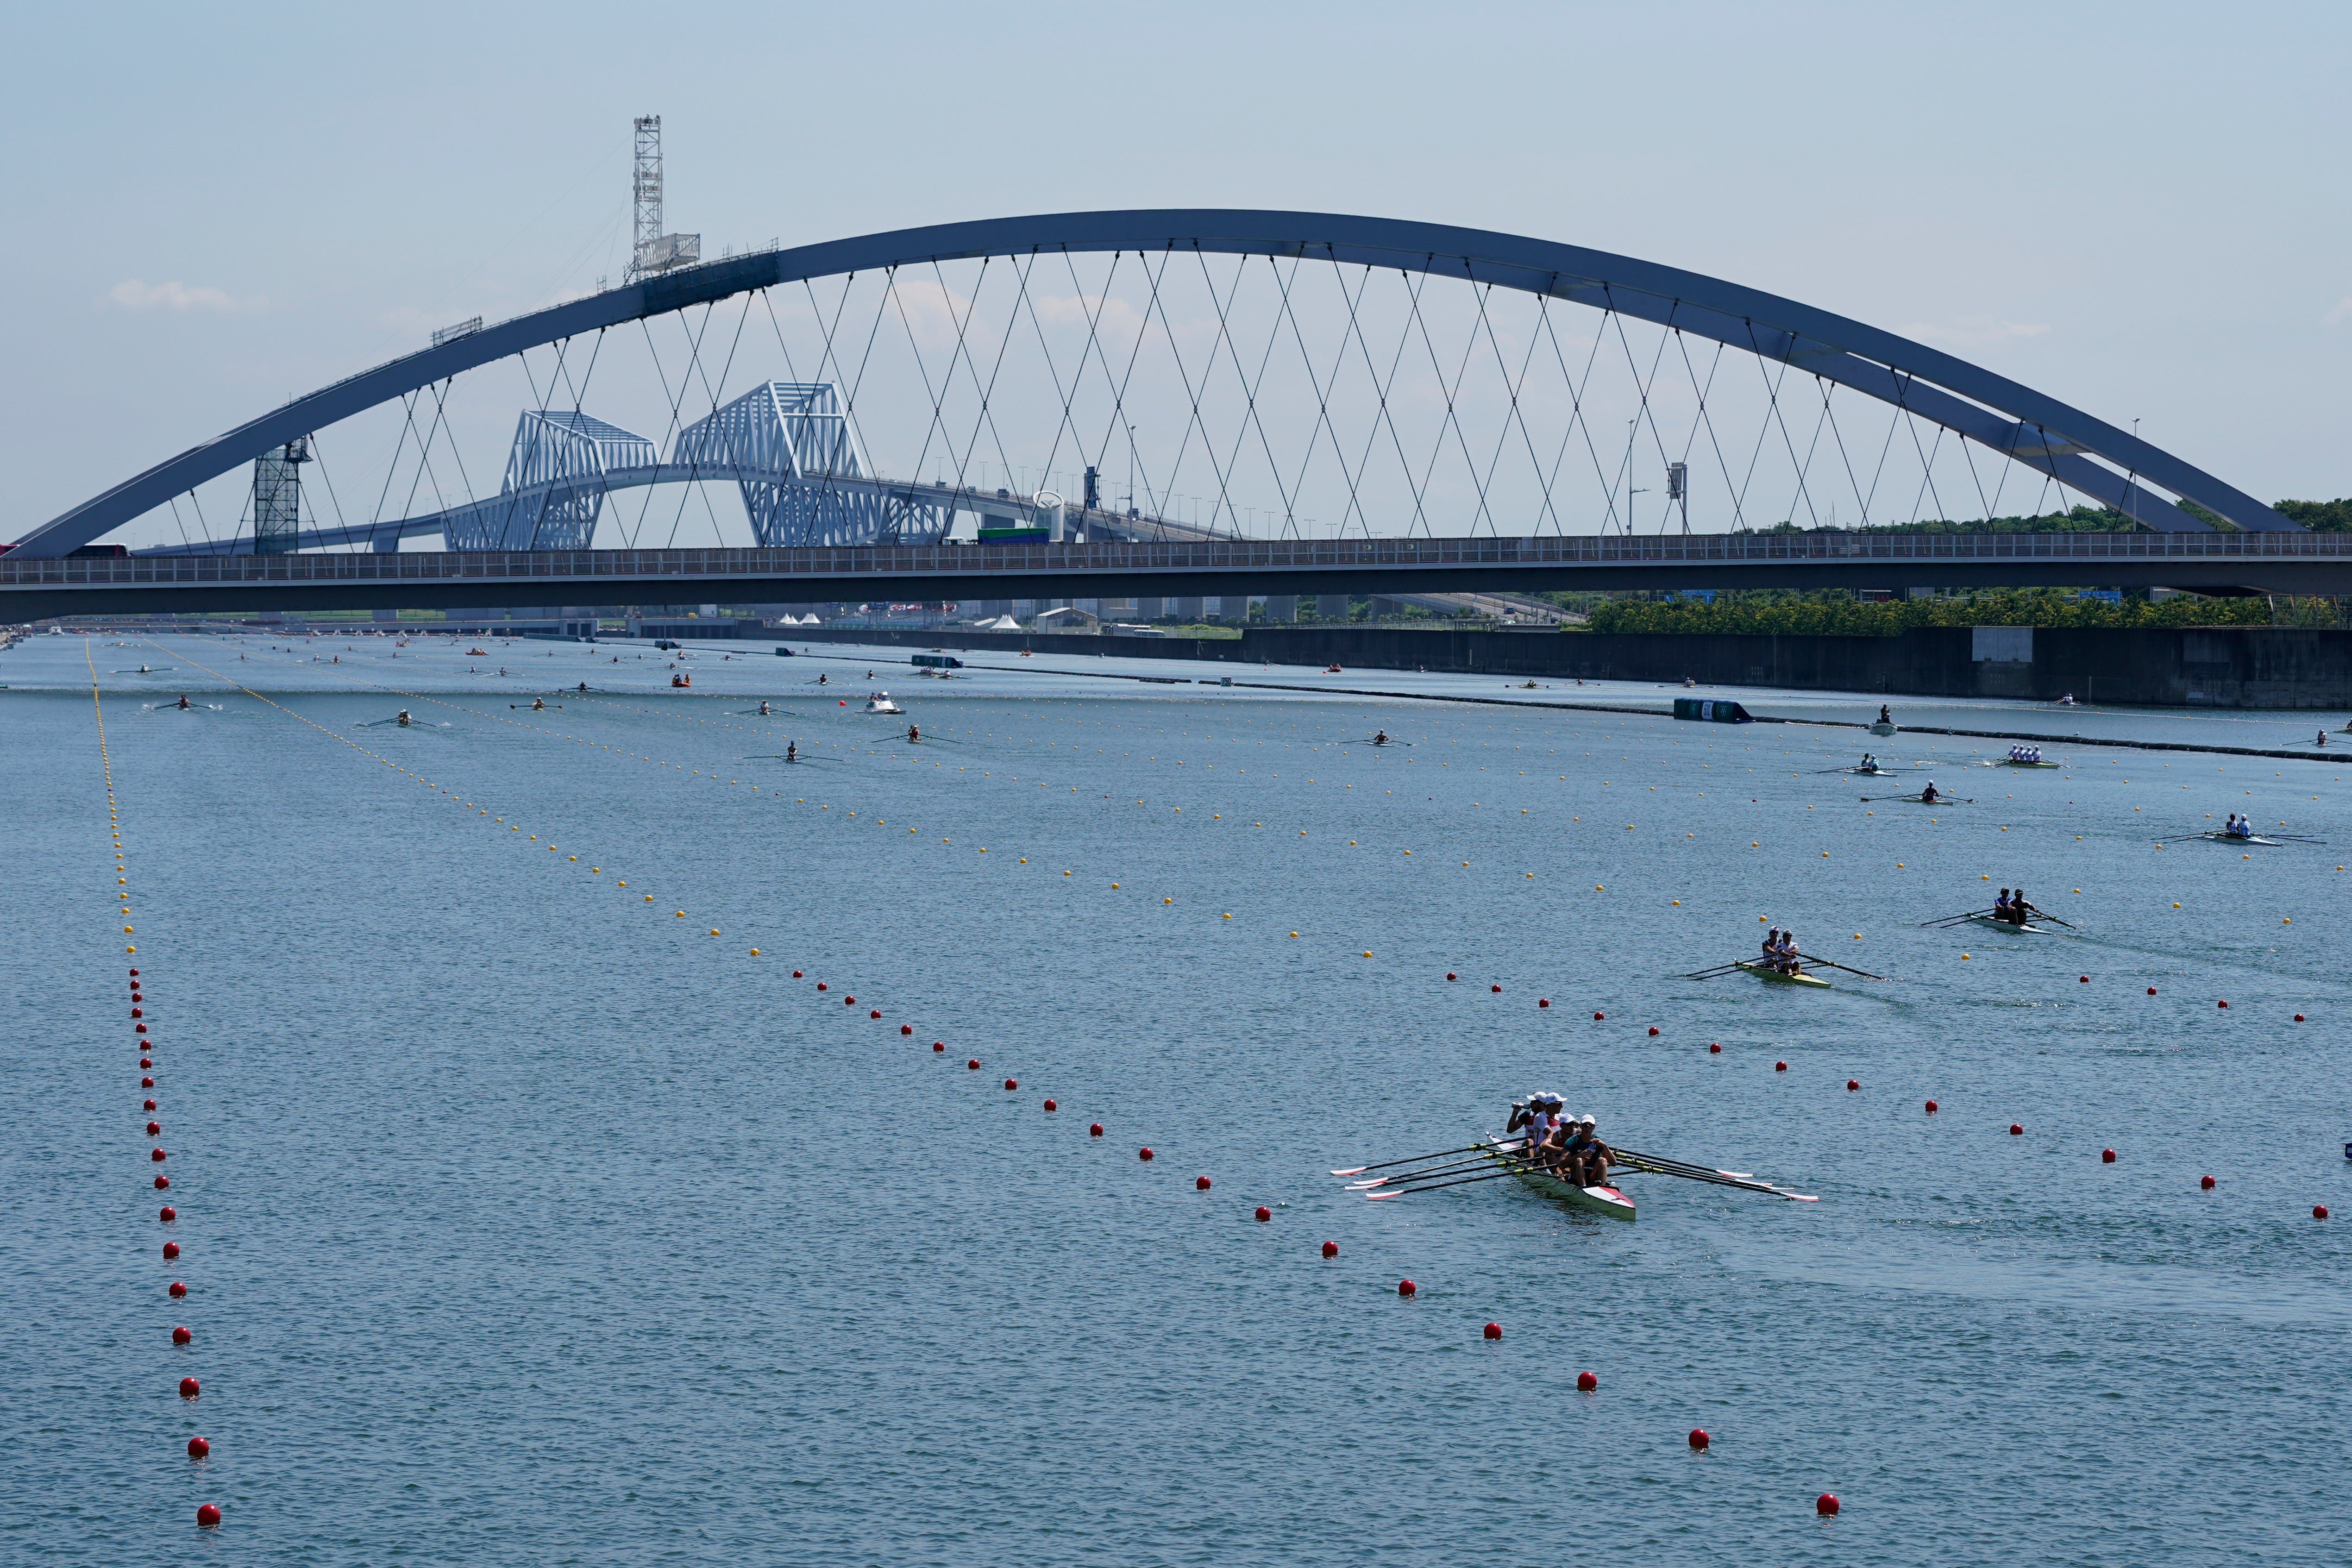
{"points": [[655, 251]]}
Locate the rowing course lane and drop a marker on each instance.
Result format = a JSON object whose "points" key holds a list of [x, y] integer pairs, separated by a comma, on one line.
{"points": [[636, 1216]]}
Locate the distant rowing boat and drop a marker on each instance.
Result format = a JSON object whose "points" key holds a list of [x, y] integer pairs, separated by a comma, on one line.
{"points": [[2029, 928], [2237, 839], [2013, 763], [1596, 1200], [1766, 971]]}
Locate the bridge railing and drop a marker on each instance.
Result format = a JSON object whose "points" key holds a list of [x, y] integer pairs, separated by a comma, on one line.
{"points": [[1239, 556]]}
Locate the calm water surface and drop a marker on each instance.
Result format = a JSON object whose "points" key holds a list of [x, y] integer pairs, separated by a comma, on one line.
{"points": [[525, 1220]]}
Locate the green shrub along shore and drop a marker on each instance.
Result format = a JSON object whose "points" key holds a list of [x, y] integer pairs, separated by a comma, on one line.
{"points": [[1835, 612]]}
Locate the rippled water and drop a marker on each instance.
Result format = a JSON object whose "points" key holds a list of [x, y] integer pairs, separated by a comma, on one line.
{"points": [[527, 1221]]}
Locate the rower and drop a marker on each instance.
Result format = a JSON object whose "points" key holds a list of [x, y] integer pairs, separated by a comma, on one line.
{"points": [[404, 720], [2020, 909], [1772, 948], [1789, 953], [1596, 1157], [539, 704], [1869, 763], [763, 709], [183, 702], [584, 684], [913, 732], [1884, 717], [820, 678], [2000, 906], [791, 750], [1380, 738], [1929, 794]]}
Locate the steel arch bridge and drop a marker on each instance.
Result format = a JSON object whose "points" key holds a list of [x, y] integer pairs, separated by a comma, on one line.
{"points": [[2063, 445]]}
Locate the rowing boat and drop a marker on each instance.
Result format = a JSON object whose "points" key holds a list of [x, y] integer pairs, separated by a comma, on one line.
{"points": [[2013, 763], [1766, 971], [1884, 728], [2029, 928], [2234, 838], [1597, 1200]]}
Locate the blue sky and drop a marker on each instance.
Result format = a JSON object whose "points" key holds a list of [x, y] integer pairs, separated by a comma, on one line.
{"points": [[2137, 208]]}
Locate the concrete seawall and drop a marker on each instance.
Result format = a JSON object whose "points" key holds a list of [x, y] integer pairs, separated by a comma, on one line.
{"points": [[2227, 666]]}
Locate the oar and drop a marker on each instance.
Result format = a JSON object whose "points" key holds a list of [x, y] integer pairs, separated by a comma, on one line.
{"points": [[2054, 920], [1711, 974], [1434, 1186], [1954, 919], [1642, 1162], [1409, 1160], [1833, 963], [1422, 1173]]}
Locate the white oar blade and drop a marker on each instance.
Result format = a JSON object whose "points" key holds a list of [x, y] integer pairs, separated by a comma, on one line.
{"points": [[1353, 1171]]}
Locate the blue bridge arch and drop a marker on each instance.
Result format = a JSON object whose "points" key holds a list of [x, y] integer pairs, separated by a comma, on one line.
{"points": [[2014, 420]]}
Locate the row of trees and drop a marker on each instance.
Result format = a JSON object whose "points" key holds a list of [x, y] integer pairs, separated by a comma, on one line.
{"points": [[1836, 613]]}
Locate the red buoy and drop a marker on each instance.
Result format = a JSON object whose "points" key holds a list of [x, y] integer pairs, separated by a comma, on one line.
{"points": [[2151, 990], [1851, 1084], [157, 1155], [150, 1105], [1586, 1382], [1543, 1001], [2015, 1131], [1051, 1106], [154, 1128], [176, 1289], [2106, 1157], [1330, 1249], [161, 1182], [2319, 1211], [1450, 974], [2298, 1017], [170, 1250], [1011, 1084], [1714, 1047], [1493, 1330], [1826, 1505], [134, 971], [138, 1013], [2223, 1005], [1931, 1108], [973, 1064], [1653, 1029], [1095, 1130], [2083, 979], [146, 1062], [1200, 1183], [137, 1028], [1779, 1066], [1143, 1153], [870, 1012], [796, 974], [1699, 1439], [198, 1448], [2206, 1182], [820, 985], [146, 1083], [906, 1028], [1406, 1287], [182, 1334], [190, 1388], [1264, 1213], [1494, 988], [207, 1517], [169, 1213], [938, 1046], [1598, 1016]]}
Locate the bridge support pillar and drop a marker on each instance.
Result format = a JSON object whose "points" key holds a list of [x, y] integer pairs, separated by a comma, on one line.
{"points": [[1331, 607], [1282, 606]]}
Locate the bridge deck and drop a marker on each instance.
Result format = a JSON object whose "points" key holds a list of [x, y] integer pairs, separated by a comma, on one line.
{"points": [[2271, 562]]}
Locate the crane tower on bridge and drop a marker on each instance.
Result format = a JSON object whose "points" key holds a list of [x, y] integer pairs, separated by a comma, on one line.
{"points": [[655, 252]]}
